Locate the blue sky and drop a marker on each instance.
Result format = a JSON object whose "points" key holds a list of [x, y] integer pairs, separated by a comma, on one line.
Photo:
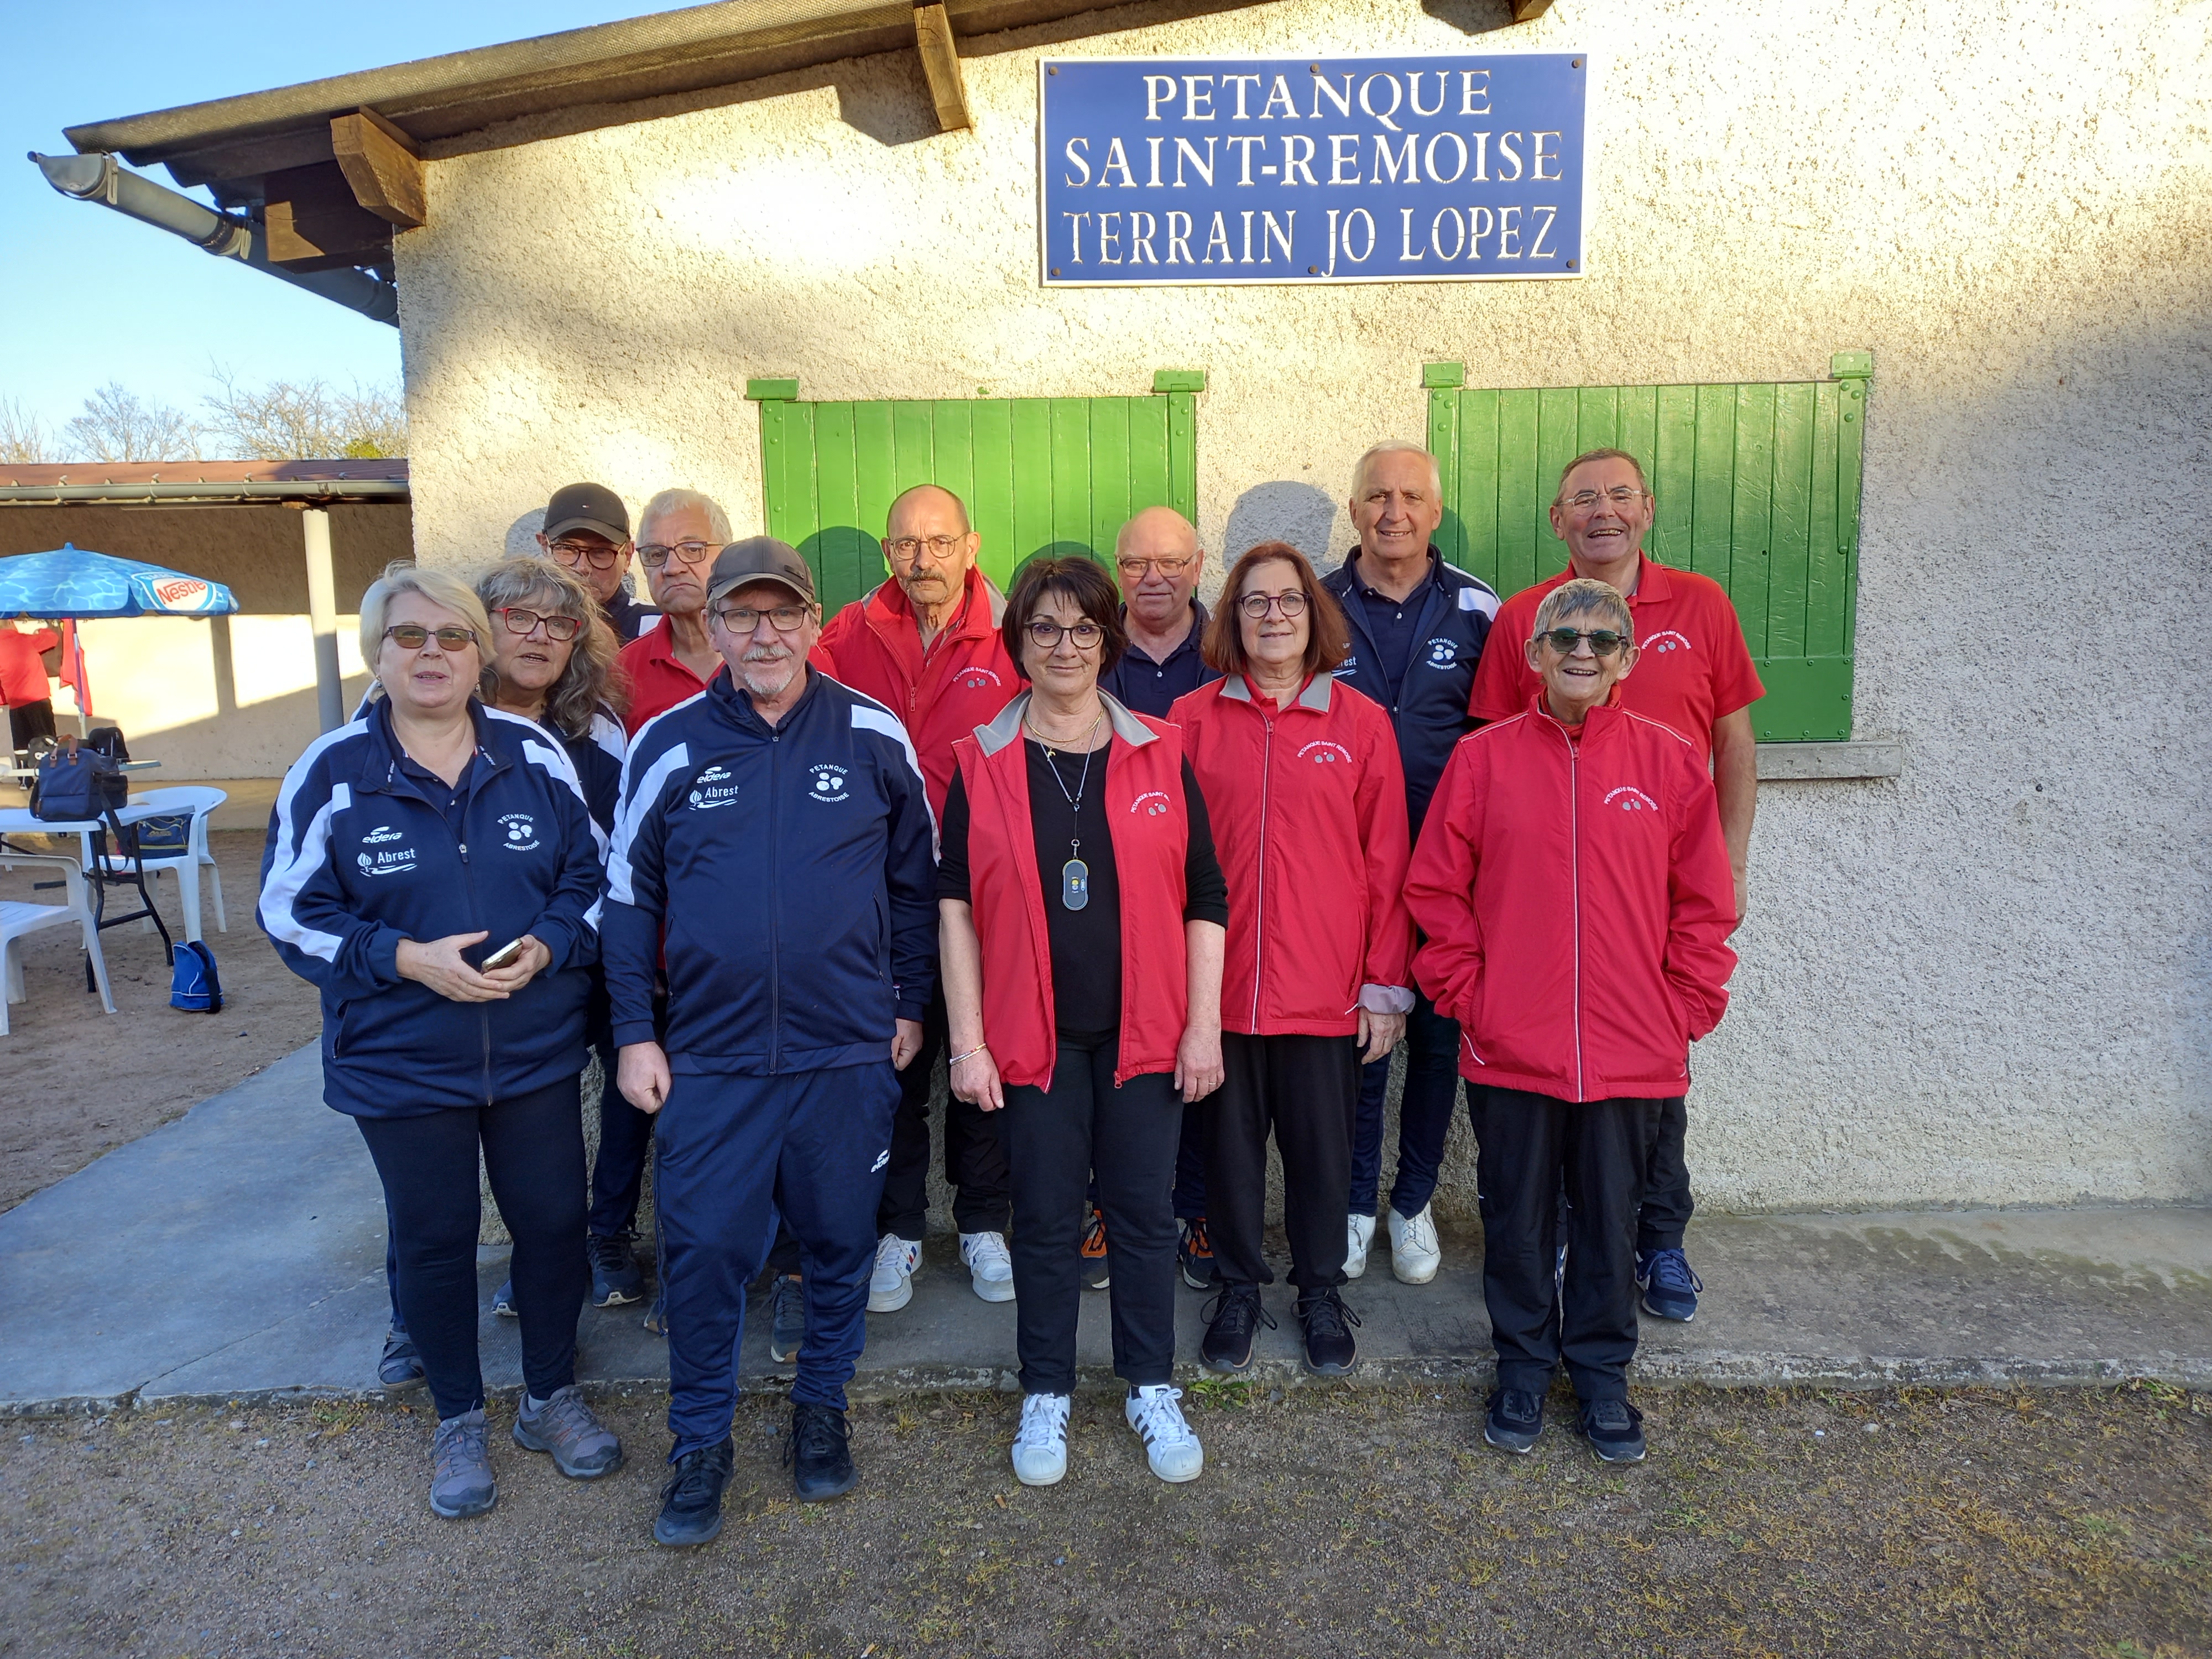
{"points": [[87, 296]]}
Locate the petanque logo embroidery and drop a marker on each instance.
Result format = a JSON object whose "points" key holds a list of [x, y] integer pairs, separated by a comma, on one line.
{"points": [[1152, 804], [711, 788], [1443, 653], [1666, 639], [1323, 752], [975, 679], [1630, 799], [521, 832], [830, 783]]}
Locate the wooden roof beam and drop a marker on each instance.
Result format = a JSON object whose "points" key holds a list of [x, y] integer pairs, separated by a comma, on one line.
{"points": [[383, 165], [940, 65], [1528, 10]]}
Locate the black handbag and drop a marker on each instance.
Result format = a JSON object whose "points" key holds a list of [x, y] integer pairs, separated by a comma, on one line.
{"points": [[77, 784]]}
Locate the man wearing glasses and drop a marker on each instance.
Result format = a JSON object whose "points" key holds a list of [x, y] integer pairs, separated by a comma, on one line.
{"points": [[1419, 627], [774, 849], [679, 533], [587, 533], [927, 645], [1694, 673]]}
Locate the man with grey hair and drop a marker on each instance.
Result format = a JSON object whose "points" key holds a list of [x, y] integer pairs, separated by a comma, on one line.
{"points": [[1418, 626], [678, 535]]}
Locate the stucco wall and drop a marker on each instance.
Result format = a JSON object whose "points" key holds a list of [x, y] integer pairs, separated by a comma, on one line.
{"points": [[231, 696], [1983, 981]]}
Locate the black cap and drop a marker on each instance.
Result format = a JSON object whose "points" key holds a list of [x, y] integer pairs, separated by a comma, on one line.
{"points": [[760, 559], [587, 507]]}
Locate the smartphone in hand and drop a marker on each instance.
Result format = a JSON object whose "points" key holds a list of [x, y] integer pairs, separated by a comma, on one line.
{"points": [[504, 956]]}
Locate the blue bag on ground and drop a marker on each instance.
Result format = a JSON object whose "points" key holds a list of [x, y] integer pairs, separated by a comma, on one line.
{"points": [[194, 984]]}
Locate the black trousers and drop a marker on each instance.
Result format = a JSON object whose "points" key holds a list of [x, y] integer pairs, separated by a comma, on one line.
{"points": [[1055, 1138], [533, 1152], [1306, 1090], [975, 1162], [1667, 1201], [30, 720], [1530, 1147]]}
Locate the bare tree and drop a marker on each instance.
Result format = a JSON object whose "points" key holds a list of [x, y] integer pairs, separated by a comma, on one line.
{"points": [[117, 426], [24, 439], [294, 419]]}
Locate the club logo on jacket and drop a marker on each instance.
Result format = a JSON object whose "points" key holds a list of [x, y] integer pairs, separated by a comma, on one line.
{"points": [[521, 832], [378, 836], [1668, 639], [711, 788], [1630, 799], [975, 679], [1154, 804], [1349, 665], [830, 782], [1323, 752], [1443, 653], [391, 861]]}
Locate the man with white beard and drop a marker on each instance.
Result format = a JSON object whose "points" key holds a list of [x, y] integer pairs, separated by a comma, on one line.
{"points": [[774, 849]]}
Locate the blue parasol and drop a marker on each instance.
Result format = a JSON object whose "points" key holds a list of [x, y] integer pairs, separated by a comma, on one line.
{"points": [[72, 582]]}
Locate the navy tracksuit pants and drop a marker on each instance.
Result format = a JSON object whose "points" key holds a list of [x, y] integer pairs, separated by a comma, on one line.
{"points": [[732, 1154], [1423, 1114]]}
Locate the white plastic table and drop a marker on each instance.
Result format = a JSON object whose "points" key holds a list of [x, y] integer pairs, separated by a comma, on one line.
{"points": [[19, 821]]}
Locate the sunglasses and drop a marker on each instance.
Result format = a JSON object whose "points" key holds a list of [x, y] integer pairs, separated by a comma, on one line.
{"points": [[413, 636], [559, 630], [1603, 641]]}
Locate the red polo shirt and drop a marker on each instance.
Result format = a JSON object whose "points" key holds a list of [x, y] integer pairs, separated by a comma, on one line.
{"points": [[659, 678], [1693, 668], [22, 676]]}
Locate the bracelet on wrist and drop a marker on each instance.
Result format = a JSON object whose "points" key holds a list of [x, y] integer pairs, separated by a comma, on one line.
{"points": [[971, 1053]]}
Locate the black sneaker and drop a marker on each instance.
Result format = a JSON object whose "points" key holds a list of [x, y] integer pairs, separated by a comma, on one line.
{"points": [[1329, 1348], [1614, 1430], [1515, 1421], [401, 1366], [615, 1276], [692, 1502], [503, 1300], [1092, 1250], [821, 1463], [786, 1318], [1194, 1253], [1232, 1319]]}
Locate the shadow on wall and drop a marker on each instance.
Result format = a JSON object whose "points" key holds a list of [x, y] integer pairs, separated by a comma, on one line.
{"points": [[1280, 511]]}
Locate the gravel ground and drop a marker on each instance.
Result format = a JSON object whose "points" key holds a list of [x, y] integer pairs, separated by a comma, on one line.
{"points": [[1328, 1522], [81, 1082]]}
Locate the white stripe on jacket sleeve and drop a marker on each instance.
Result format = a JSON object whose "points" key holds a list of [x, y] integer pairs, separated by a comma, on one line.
{"points": [[644, 795]]}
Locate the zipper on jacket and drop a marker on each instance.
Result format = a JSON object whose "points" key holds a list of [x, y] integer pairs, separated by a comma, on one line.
{"points": [[483, 1010], [775, 907], [1260, 904], [1575, 889]]}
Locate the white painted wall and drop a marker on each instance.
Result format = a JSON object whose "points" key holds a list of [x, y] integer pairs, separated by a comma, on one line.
{"points": [[1984, 982]]}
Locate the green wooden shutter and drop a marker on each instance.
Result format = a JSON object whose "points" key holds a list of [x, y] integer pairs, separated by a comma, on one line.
{"points": [[1039, 475], [1757, 487]]}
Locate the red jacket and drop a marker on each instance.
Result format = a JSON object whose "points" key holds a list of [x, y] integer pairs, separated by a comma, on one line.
{"points": [[964, 678], [22, 676], [1308, 806], [1577, 900], [1151, 829]]}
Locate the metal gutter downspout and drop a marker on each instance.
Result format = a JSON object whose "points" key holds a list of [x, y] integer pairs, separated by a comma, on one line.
{"points": [[98, 177]]}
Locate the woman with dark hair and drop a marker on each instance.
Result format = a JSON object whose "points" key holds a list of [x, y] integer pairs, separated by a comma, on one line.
{"points": [[1082, 923], [1309, 810]]}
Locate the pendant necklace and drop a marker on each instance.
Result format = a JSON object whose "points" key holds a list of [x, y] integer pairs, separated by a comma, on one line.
{"points": [[1075, 874]]}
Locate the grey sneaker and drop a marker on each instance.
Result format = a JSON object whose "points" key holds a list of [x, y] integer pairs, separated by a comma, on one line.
{"points": [[787, 1319], [460, 1467], [583, 1448]]}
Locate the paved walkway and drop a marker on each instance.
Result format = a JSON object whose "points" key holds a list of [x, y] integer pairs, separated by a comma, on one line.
{"points": [[239, 1254]]}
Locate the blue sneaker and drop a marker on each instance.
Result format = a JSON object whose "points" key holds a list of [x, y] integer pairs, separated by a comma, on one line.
{"points": [[503, 1300], [1670, 1289]]}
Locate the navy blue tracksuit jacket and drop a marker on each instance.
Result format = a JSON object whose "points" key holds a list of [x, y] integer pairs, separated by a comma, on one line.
{"points": [[1430, 713], [359, 858], [786, 874]]}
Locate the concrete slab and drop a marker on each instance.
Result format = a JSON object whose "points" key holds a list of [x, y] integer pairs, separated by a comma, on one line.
{"points": [[239, 1254]]}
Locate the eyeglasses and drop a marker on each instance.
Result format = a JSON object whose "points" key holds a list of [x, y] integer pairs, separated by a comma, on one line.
{"points": [[413, 636], [559, 630], [1619, 496], [1256, 606], [1135, 570], [911, 548], [598, 555], [1047, 636], [655, 554], [784, 618], [1603, 641]]}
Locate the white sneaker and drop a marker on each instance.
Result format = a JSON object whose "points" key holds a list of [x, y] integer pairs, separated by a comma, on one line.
{"points": [[1040, 1443], [990, 1269], [1169, 1446], [1358, 1239], [890, 1287], [1414, 1254]]}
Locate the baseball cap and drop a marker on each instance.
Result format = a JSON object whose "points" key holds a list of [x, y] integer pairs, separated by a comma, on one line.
{"points": [[587, 507], [757, 559]]}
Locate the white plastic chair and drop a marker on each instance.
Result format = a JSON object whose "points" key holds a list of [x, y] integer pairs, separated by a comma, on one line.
{"points": [[200, 800], [18, 918]]}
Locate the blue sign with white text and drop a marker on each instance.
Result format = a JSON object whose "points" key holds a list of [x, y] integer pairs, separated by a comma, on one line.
{"points": [[1162, 170]]}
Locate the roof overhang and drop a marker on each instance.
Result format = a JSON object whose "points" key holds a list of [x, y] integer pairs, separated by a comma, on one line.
{"points": [[204, 483]]}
